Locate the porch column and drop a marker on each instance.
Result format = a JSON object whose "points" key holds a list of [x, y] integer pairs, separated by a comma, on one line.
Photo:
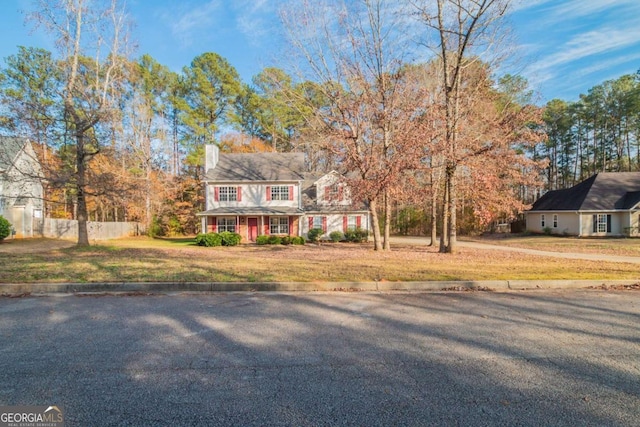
{"points": [[203, 223]]}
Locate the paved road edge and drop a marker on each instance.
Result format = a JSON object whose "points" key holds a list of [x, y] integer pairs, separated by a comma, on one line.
{"points": [[383, 286]]}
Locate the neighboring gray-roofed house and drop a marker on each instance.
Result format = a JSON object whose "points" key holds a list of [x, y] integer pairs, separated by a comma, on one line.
{"points": [[606, 204], [270, 193], [21, 191]]}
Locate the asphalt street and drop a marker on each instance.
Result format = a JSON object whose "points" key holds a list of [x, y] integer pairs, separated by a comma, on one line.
{"points": [[535, 358]]}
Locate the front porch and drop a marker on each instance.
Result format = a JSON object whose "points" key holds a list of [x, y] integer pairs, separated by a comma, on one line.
{"points": [[250, 225]]}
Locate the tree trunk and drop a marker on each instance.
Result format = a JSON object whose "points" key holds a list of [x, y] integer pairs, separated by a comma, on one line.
{"points": [[375, 224], [387, 221], [434, 220], [451, 246], [83, 234], [444, 226]]}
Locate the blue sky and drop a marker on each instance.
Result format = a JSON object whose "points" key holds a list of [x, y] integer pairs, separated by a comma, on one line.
{"points": [[565, 46]]}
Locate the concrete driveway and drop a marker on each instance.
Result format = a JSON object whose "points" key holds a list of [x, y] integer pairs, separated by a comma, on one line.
{"points": [[496, 247], [540, 358]]}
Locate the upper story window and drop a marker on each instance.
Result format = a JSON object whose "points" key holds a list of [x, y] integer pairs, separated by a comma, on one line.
{"points": [[280, 192], [334, 193], [227, 194]]}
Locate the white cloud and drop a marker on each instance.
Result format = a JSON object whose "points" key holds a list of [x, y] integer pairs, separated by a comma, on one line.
{"points": [[608, 64], [186, 26], [520, 5], [588, 44], [580, 8], [255, 19]]}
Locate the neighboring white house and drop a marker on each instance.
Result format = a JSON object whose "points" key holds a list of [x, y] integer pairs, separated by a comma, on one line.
{"points": [[606, 204], [270, 193], [21, 191]]}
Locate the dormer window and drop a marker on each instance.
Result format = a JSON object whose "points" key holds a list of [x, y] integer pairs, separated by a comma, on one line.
{"points": [[333, 193]]}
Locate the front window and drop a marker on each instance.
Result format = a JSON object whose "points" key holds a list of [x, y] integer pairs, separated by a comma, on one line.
{"points": [[352, 222], [226, 224], [602, 223], [228, 194], [542, 220], [279, 225], [555, 221], [279, 192], [317, 222]]}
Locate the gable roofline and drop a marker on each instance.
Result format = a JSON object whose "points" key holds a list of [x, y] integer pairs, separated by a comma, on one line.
{"points": [[333, 172], [10, 149], [568, 199], [604, 191]]}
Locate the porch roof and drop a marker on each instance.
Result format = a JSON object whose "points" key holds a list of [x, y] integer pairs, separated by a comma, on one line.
{"points": [[254, 210]]}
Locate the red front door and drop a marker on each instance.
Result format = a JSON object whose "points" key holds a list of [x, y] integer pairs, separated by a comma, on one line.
{"points": [[253, 228]]}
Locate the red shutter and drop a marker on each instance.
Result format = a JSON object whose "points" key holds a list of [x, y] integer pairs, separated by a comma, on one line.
{"points": [[359, 221], [340, 193], [239, 198], [290, 225], [324, 224], [214, 226], [326, 193], [216, 193], [310, 222], [290, 192], [345, 223], [268, 193], [265, 228]]}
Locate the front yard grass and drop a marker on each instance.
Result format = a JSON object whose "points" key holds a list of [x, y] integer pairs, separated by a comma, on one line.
{"points": [[179, 260], [605, 246]]}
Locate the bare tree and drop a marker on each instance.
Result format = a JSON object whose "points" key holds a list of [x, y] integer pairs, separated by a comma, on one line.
{"points": [[355, 53], [458, 33], [91, 38]]}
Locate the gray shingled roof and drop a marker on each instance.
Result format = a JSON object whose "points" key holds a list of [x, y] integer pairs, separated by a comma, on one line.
{"points": [[258, 167], [606, 191], [10, 146]]}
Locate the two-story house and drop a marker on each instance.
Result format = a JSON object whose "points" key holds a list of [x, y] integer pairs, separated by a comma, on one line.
{"points": [[21, 191], [270, 193]]}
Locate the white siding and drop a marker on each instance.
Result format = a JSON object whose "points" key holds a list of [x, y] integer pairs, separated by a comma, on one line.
{"points": [[568, 223], [252, 195], [335, 222], [327, 181]]}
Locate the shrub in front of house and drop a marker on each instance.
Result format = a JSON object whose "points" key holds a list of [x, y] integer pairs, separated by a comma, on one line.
{"points": [[5, 228], [279, 240], [230, 239], [357, 235], [336, 236], [262, 240], [209, 239], [286, 240], [314, 235], [275, 240]]}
